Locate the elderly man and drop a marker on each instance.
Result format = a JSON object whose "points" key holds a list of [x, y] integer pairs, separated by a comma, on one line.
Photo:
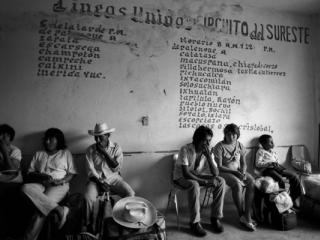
{"points": [[104, 160]]}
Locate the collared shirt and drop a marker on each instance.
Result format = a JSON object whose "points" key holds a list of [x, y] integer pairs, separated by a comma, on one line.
{"points": [[187, 157], [97, 165], [229, 155], [264, 158], [57, 165], [14, 153]]}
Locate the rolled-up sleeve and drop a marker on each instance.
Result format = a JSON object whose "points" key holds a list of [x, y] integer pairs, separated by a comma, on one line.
{"points": [[16, 154], [183, 156]]}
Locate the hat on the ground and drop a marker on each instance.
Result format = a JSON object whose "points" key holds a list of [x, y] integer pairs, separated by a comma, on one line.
{"points": [[100, 129], [134, 212]]}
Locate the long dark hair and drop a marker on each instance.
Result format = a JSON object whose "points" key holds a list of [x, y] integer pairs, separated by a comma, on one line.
{"points": [[5, 128], [201, 133], [55, 133], [231, 128]]}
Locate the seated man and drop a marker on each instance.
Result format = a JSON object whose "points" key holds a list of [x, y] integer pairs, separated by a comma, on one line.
{"points": [[10, 155], [104, 161], [10, 177], [189, 174]]}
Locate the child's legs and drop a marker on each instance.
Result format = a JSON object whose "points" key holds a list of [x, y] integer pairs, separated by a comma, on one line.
{"points": [[275, 175], [295, 186]]}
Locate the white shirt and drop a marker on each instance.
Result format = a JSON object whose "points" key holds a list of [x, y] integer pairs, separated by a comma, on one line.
{"points": [[57, 165], [14, 153], [264, 158], [187, 157], [97, 165]]}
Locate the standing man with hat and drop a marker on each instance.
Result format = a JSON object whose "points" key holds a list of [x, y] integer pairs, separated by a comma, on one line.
{"points": [[104, 160]]}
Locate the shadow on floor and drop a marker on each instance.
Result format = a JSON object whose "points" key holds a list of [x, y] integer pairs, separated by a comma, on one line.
{"points": [[307, 228]]}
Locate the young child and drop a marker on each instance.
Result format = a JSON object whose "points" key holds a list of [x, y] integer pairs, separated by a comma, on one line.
{"points": [[267, 163]]}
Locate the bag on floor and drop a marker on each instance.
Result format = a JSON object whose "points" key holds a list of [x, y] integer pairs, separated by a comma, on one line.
{"points": [[114, 231], [283, 221]]}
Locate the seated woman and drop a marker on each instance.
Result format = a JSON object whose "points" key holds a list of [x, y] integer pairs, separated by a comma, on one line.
{"points": [[230, 157], [48, 181], [267, 163]]}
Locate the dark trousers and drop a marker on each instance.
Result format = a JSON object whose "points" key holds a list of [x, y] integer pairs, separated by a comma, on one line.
{"points": [[277, 175]]}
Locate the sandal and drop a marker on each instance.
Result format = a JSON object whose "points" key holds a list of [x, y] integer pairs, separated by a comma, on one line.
{"points": [[249, 225]]}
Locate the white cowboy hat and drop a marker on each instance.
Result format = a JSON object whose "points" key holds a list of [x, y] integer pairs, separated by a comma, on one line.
{"points": [[134, 212], [100, 129]]}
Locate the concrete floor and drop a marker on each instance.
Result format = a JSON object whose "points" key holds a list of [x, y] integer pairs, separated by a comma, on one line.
{"points": [[307, 229]]}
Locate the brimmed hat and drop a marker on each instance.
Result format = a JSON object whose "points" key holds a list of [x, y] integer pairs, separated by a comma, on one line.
{"points": [[134, 212], [100, 129]]}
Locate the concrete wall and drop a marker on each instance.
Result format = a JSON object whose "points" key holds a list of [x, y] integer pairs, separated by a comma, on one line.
{"points": [[130, 69]]}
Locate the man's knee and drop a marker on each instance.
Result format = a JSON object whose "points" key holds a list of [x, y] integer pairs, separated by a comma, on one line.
{"points": [[194, 186], [130, 192], [221, 183], [28, 187], [25, 188], [89, 197], [91, 192]]}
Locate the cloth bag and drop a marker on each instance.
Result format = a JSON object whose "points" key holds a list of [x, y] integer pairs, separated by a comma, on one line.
{"points": [[298, 160], [282, 201]]}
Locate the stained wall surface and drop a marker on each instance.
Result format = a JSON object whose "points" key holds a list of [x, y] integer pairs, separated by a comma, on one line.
{"points": [[155, 70]]}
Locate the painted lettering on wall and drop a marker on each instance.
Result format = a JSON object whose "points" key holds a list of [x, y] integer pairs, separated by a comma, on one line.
{"points": [[168, 18], [206, 96], [61, 54]]}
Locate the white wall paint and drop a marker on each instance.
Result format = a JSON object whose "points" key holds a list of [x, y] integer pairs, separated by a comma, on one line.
{"points": [[136, 78]]}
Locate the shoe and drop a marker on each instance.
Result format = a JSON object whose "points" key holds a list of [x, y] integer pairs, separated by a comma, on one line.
{"points": [[216, 225], [89, 236], [249, 225], [197, 229], [64, 217]]}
